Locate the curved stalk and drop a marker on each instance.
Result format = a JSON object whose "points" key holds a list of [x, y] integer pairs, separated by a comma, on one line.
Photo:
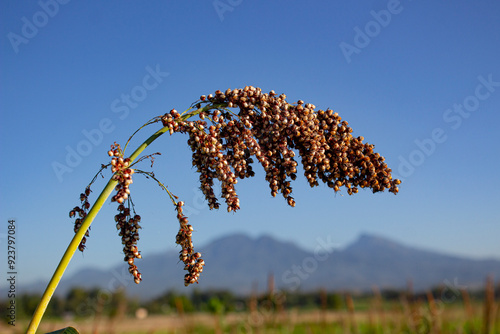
{"points": [[70, 251], [72, 247]]}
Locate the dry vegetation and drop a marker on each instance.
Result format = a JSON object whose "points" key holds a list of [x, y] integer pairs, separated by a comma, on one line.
{"points": [[423, 313]]}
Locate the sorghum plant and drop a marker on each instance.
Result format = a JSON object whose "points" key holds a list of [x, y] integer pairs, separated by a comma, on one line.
{"points": [[228, 132]]}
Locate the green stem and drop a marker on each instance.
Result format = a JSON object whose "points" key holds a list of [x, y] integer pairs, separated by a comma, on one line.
{"points": [[70, 251], [72, 247]]}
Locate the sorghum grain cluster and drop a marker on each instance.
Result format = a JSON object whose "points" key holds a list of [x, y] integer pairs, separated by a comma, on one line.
{"points": [[128, 226], [270, 129], [81, 212], [122, 173], [235, 129], [193, 262]]}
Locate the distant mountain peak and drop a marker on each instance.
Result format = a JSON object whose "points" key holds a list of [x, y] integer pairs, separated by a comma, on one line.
{"points": [[367, 241]]}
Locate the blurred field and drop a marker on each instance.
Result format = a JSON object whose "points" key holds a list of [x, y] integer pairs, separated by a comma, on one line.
{"points": [[417, 317], [450, 321], [440, 311]]}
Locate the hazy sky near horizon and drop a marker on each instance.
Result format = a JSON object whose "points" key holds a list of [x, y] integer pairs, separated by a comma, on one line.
{"points": [[419, 79]]}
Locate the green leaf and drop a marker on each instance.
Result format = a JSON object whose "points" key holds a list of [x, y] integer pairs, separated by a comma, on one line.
{"points": [[67, 330]]}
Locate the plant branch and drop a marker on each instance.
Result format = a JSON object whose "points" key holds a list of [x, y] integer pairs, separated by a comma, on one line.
{"points": [[73, 246], [70, 251]]}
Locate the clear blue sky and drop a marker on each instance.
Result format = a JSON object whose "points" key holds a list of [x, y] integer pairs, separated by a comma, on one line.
{"points": [[419, 79]]}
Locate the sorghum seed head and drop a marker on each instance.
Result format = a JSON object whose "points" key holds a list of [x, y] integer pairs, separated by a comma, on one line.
{"points": [[269, 128]]}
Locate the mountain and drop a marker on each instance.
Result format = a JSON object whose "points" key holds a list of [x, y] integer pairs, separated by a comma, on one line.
{"points": [[239, 263]]}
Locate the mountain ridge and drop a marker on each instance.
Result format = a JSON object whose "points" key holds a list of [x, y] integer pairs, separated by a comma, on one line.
{"points": [[239, 263]]}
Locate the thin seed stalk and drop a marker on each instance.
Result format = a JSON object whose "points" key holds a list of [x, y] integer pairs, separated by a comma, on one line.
{"points": [[73, 246], [68, 255]]}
